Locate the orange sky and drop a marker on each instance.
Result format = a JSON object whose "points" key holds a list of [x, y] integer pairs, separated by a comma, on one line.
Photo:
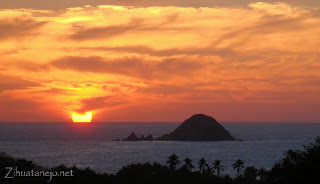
{"points": [[249, 63]]}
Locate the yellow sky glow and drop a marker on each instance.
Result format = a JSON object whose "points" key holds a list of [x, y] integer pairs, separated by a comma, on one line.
{"points": [[160, 63]]}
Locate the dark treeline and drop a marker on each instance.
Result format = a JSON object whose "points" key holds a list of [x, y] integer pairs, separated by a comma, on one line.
{"points": [[297, 166]]}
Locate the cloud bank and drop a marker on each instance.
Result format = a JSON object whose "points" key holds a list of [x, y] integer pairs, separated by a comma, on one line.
{"points": [[132, 63]]}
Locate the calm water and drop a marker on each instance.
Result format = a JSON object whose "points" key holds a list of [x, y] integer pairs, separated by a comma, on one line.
{"points": [[89, 145]]}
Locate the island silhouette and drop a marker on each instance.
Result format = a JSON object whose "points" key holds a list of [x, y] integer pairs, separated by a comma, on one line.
{"points": [[198, 127]]}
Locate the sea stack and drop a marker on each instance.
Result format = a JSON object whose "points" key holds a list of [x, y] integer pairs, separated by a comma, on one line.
{"points": [[131, 137], [148, 138], [199, 127]]}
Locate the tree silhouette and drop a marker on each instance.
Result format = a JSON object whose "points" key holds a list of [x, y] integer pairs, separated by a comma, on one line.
{"points": [[238, 165], [250, 173], [173, 161], [202, 164], [262, 173], [188, 164], [217, 167], [297, 166]]}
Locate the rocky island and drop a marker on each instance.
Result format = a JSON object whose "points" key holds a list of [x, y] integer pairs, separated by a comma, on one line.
{"points": [[133, 137], [199, 127]]}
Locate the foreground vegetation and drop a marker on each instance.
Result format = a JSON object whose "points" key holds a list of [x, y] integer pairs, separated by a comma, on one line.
{"points": [[297, 166]]}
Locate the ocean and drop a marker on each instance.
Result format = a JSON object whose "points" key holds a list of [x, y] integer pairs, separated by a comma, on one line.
{"points": [[90, 145]]}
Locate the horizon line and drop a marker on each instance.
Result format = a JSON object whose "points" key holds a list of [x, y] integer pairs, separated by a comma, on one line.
{"points": [[156, 122]]}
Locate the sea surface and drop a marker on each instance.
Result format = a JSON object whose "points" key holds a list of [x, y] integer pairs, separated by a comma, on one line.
{"points": [[90, 145]]}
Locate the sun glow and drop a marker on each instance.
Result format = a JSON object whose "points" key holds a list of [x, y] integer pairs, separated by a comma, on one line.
{"points": [[81, 118]]}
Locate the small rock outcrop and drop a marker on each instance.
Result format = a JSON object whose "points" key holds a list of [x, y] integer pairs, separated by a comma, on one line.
{"points": [[131, 137], [148, 138], [199, 127]]}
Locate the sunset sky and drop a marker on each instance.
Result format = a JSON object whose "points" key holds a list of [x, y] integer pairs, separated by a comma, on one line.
{"points": [[156, 61]]}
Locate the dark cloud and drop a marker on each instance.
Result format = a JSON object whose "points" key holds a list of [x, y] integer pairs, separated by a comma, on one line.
{"points": [[304, 81], [140, 49], [83, 33], [29, 66], [135, 67], [266, 25], [165, 89], [9, 52], [135, 25], [178, 89], [13, 83], [19, 27], [96, 103], [54, 91], [61, 4]]}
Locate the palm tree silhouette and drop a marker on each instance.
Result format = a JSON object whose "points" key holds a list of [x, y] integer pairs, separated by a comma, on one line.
{"points": [[173, 161], [202, 164], [188, 164], [217, 167], [262, 174], [238, 165]]}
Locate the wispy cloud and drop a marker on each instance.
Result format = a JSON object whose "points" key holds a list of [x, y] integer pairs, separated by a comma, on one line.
{"points": [[14, 83], [19, 27], [134, 67], [120, 58]]}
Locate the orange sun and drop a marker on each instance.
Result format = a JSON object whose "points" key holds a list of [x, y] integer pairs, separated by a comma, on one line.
{"points": [[81, 118]]}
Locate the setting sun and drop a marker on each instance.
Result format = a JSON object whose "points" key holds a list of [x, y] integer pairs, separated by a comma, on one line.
{"points": [[87, 117]]}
